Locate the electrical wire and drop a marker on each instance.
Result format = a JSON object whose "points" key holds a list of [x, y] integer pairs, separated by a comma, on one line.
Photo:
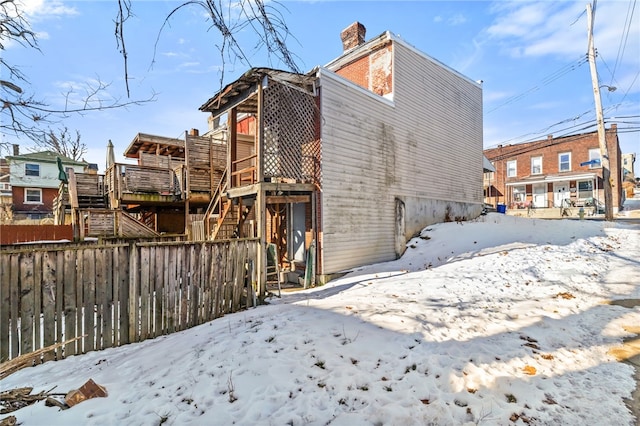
{"points": [[625, 37], [562, 71]]}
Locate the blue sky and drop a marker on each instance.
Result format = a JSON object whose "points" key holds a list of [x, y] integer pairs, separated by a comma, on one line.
{"points": [[529, 55]]}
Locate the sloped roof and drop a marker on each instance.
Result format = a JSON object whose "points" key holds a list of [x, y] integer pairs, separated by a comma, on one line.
{"points": [[153, 144], [486, 165], [46, 157], [240, 92]]}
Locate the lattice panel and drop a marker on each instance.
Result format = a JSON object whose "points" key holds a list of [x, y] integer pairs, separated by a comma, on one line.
{"points": [[291, 148]]}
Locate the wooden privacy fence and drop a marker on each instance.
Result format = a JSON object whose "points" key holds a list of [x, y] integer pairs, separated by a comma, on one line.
{"points": [[114, 294]]}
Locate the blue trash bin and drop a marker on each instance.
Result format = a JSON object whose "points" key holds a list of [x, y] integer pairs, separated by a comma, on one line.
{"points": [[501, 208]]}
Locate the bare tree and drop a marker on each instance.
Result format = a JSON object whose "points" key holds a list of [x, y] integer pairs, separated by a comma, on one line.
{"points": [[63, 143], [21, 112], [228, 18]]}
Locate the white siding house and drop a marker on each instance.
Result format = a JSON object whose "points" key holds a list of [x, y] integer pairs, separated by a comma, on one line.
{"points": [[395, 163], [34, 181]]}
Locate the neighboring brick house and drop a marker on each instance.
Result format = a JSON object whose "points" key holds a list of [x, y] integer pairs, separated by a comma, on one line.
{"points": [[546, 172], [34, 182]]}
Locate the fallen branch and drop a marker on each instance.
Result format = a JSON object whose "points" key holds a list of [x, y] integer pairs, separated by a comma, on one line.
{"points": [[28, 360], [15, 399]]}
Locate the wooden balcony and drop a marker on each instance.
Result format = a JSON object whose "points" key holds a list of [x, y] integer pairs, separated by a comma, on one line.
{"points": [[143, 185]]}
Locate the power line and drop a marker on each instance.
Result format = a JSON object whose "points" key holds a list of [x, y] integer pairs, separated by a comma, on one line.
{"points": [[625, 37], [565, 69]]}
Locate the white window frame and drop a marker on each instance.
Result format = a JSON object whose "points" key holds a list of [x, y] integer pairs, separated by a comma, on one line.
{"points": [[515, 168], [594, 153], [31, 169], [584, 193], [26, 195], [534, 160], [520, 194], [568, 162]]}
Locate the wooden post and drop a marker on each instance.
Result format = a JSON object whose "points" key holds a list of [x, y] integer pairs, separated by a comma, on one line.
{"points": [[187, 184], [604, 150], [232, 124]]}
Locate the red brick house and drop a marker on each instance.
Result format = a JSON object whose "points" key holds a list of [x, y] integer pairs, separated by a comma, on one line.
{"points": [[544, 173]]}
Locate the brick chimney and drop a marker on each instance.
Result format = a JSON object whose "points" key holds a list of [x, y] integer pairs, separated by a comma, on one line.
{"points": [[16, 149], [353, 36], [194, 132]]}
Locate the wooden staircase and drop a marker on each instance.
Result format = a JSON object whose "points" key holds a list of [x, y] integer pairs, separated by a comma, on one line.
{"points": [[228, 220]]}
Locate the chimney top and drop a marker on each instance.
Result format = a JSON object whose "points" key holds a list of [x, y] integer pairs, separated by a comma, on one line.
{"points": [[16, 149], [353, 36], [194, 132]]}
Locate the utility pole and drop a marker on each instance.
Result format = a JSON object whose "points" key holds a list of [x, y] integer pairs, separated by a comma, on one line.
{"points": [[602, 141]]}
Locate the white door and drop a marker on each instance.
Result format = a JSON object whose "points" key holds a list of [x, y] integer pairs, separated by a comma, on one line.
{"points": [[296, 236], [540, 195], [560, 193]]}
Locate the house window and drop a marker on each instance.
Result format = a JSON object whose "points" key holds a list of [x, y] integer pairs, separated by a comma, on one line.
{"points": [[519, 194], [511, 168], [564, 162], [33, 196], [594, 154], [585, 189], [32, 169], [536, 165]]}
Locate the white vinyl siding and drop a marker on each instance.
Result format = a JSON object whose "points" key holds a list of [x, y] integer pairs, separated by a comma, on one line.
{"points": [[357, 209], [414, 148]]}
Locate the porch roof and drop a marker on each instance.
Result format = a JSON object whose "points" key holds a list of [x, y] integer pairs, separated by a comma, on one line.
{"points": [[240, 92], [153, 144], [552, 178]]}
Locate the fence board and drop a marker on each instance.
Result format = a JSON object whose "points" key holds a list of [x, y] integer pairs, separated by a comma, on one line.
{"points": [[113, 294], [26, 303], [107, 309], [70, 303], [59, 306], [37, 299], [194, 263], [89, 298], [159, 283], [124, 274], [144, 291], [99, 297], [5, 300], [172, 284], [49, 302], [134, 293], [14, 272]]}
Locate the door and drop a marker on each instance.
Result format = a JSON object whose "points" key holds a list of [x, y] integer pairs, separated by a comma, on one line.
{"points": [[540, 196], [296, 237], [560, 193]]}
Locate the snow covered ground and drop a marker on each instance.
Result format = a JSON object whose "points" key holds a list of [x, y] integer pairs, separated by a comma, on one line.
{"points": [[498, 321]]}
